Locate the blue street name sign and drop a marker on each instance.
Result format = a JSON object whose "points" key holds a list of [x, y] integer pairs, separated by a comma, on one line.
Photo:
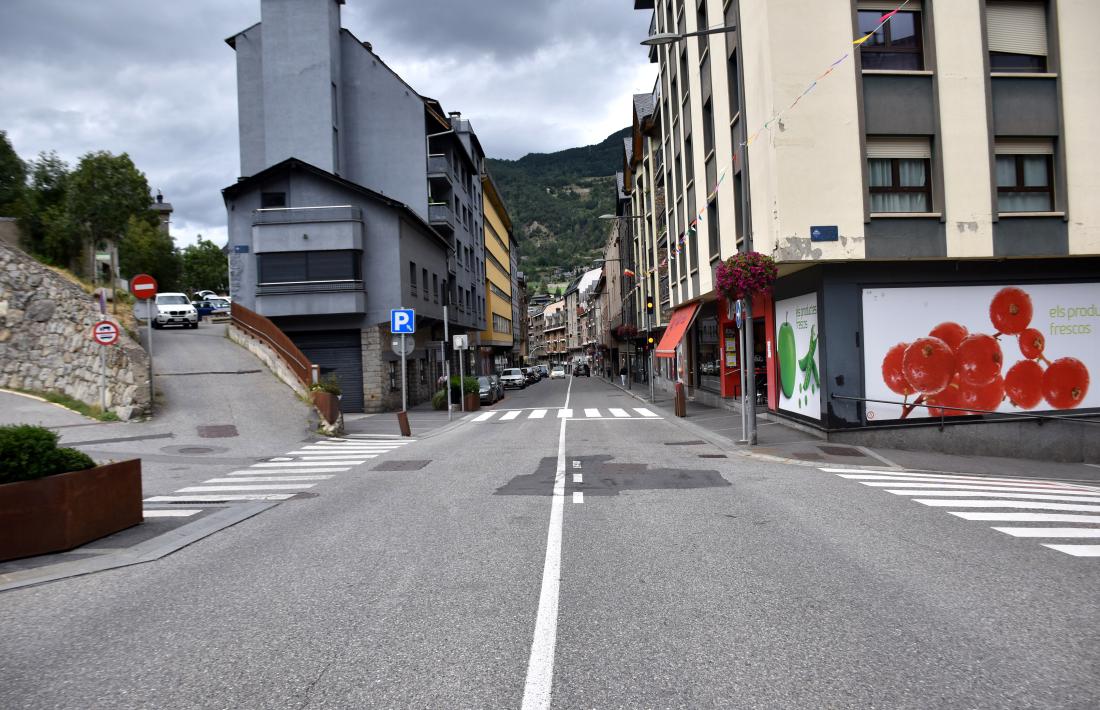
{"points": [[402, 321], [737, 314], [824, 234]]}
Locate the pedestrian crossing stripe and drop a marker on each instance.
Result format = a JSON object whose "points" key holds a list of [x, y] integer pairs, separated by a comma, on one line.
{"points": [[998, 496], [508, 415]]}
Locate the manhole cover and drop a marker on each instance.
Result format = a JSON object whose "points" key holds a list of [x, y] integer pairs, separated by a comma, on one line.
{"points": [[217, 431], [401, 465], [194, 449], [713, 456], [840, 451], [684, 443]]}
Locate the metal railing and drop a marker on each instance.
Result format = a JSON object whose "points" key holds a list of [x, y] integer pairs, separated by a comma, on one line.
{"points": [[439, 165], [441, 213], [259, 327], [943, 408], [280, 289], [298, 215]]}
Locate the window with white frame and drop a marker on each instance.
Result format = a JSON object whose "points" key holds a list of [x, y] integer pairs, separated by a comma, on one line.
{"points": [[1017, 35], [1025, 175], [900, 174]]}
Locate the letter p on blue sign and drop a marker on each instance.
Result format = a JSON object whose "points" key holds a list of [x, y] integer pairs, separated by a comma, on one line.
{"points": [[402, 321]]}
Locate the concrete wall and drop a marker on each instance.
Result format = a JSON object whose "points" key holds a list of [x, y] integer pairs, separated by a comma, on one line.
{"points": [[1080, 77], [250, 100], [46, 345]]}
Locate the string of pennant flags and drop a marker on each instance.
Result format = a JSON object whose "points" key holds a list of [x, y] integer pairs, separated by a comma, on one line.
{"points": [[674, 250]]}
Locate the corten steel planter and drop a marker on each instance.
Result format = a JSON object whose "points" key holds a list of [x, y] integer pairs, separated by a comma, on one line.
{"points": [[61, 512], [473, 402], [327, 404]]}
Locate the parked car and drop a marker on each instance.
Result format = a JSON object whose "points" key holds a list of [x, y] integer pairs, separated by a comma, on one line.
{"points": [[175, 309], [544, 371], [486, 390], [581, 369], [495, 379], [203, 295], [530, 374], [212, 307], [513, 377], [557, 372]]}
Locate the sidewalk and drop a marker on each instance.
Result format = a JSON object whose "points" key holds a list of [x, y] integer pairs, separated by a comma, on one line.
{"points": [[423, 419], [776, 438]]}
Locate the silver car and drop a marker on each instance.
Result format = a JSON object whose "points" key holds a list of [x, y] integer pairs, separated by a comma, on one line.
{"points": [[513, 377]]}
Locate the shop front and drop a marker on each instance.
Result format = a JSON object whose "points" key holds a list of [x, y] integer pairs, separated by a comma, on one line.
{"points": [[729, 341]]}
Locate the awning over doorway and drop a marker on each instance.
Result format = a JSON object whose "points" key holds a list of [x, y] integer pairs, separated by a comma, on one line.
{"points": [[677, 325]]}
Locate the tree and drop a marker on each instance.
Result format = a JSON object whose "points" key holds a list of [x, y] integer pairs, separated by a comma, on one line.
{"points": [[13, 178], [147, 249], [44, 220], [105, 192], [204, 266], [558, 292]]}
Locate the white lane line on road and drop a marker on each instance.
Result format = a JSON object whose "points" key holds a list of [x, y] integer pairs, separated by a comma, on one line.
{"points": [[268, 479], [565, 413], [540, 665], [484, 417], [576, 464], [178, 513], [1050, 532], [1077, 550], [327, 462], [335, 459], [280, 458], [1029, 495], [317, 456], [395, 438], [537, 414], [261, 487], [349, 447], [618, 413], [306, 468], [578, 497], [644, 412], [219, 498], [853, 474], [508, 416], [593, 414], [578, 478], [939, 503], [1029, 517]]}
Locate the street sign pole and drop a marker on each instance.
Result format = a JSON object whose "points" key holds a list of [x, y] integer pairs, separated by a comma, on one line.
{"points": [[461, 380], [404, 378], [103, 380], [751, 352], [744, 383], [446, 360]]}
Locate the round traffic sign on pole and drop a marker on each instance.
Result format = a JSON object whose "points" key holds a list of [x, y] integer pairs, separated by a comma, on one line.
{"points": [[143, 286], [738, 314], [400, 346], [105, 332]]}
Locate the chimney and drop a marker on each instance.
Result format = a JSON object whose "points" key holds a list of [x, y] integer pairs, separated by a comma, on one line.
{"points": [[160, 198]]}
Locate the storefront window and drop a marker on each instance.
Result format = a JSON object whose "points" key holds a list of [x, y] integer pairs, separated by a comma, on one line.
{"points": [[708, 354]]}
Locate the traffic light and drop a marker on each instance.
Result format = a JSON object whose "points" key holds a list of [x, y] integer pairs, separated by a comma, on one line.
{"points": [[650, 340], [649, 305]]}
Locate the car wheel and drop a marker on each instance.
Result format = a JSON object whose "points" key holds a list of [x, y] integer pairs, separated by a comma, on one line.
{"points": [[157, 326]]}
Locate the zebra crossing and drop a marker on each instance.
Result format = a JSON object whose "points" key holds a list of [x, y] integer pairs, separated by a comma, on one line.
{"points": [[613, 413], [1075, 509], [277, 478]]}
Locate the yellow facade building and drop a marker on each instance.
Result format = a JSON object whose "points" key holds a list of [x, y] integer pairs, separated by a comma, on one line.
{"points": [[496, 348]]}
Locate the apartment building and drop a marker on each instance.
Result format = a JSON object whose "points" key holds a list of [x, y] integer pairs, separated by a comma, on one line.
{"points": [[555, 327], [903, 169], [357, 195], [497, 342]]}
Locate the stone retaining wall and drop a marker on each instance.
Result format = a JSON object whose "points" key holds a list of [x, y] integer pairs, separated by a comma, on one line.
{"points": [[46, 340]]}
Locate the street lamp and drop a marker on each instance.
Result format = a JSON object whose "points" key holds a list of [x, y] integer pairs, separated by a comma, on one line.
{"points": [[662, 38]]}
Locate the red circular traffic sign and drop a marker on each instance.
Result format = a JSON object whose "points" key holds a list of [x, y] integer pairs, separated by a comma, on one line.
{"points": [[143, 286], [105, 332]]}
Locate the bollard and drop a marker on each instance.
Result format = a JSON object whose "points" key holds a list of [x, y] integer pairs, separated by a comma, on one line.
{"points": [[681, 400], [403, 421]]}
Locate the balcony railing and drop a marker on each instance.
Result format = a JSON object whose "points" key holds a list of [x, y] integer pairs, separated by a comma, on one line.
{"points": [[439, 167], [298, 215], [293, 287], [440, 214]]}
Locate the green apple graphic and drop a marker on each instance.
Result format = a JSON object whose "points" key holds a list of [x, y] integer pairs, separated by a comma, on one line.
{"points": [[788, 360]]}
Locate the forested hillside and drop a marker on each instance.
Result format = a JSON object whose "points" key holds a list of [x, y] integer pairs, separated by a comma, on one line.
{"points": [[555, 200]]}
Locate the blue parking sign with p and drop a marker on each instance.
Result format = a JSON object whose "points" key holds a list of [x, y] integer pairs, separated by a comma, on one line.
{"points": [[402, 321]]}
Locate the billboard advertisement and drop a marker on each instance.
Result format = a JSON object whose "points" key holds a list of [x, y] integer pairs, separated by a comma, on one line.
{"points": [[1003, 348], [797, 355]]}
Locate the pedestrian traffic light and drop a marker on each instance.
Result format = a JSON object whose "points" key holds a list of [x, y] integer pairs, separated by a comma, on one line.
{"points": [[650, 340], [649, 305]]}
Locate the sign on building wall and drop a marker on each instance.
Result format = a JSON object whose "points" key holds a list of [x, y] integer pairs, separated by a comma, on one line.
{"points": [[1004, 348], [798, 356]]}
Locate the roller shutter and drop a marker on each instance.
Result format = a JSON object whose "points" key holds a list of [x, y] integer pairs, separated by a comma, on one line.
{"points": [[339, 352], [1017, 27]]}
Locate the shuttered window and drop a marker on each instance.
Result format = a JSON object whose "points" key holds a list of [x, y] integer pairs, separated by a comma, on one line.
{"points": [[899, 147], [1017, 32], [1025, 175], [900, 174]]}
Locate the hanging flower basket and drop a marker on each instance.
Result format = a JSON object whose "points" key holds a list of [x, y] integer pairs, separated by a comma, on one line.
{"points": [[745, 274]]}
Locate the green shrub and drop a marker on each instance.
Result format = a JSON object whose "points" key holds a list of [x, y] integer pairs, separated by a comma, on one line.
{"points": [[469, 384], [439, 400], [329, 383], [30, 452]]}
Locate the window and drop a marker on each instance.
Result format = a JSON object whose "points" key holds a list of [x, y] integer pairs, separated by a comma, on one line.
{"points": [[1017, 36], [1025, 176], [435, 288], [900, 174], [272, 200], [470, 301], [300, 266], [424, 283], [898, 44], [461, 297], [412, 278], [708, 128]]}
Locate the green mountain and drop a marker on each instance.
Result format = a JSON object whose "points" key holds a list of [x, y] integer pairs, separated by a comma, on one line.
{"points": [[555, 200]]}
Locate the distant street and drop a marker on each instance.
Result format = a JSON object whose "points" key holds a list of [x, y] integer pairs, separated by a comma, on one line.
{"points": [[688, 576]]}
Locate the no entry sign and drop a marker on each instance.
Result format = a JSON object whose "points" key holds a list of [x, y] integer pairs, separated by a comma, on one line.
{"points": [[143, 286], [105, 332]]}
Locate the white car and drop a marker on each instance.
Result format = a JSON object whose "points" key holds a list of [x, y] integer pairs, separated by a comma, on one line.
{"points": [[175, 309], [513, 377], [558, 372]]}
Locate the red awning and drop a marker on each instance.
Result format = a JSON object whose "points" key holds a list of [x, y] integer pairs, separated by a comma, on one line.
{"points": [[677, 325]]}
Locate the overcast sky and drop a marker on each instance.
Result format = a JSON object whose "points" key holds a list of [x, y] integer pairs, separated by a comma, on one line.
{"points": [[156, 79]]}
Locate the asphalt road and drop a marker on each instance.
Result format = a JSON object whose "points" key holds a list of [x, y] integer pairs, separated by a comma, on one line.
{"points": [[686, 576]]}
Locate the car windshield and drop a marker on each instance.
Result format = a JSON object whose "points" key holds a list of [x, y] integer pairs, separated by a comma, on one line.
{"points": [[168, 299], [483, 381], [219, 303], [559, 368], [513, 373]]}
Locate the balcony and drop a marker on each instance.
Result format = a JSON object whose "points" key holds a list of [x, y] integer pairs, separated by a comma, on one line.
{"points": [[307, 228], [311, 298], [300, 215], [439, 169], [441, 215]]}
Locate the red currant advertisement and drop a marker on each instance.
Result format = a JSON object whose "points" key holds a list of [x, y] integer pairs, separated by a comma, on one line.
{"points": [[797, 356], [946, 350]]}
